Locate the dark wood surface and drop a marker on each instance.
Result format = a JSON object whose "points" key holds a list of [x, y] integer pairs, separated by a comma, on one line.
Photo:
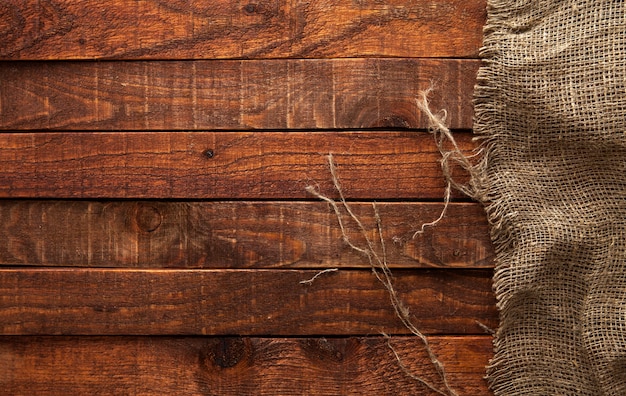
{"points": [[154, 223], [245, 302], [232, 95], [220, 165], [177, 29], [235, 234], [237, 365]]}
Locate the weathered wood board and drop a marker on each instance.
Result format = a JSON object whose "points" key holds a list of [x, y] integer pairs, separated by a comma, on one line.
{"points": [[236, 234], [155, 229], [232, 95], [245, 302], [235, 366], [182, 29], [220, 165]]}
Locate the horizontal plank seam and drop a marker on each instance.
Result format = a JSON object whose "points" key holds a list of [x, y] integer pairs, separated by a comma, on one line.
{"points": [[464, 131], [73, 269]]}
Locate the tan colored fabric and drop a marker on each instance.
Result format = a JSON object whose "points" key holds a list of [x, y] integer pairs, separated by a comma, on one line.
{"points": [[551, 106]]}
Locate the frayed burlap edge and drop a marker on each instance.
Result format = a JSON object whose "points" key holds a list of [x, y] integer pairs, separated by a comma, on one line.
{"points": [[558, 51]]}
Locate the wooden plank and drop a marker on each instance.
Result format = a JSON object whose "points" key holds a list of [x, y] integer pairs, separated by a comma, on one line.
{"points": [[235, 234], [182, 29], [237, 366], [232, 95], [220, 165], [245, 302]]}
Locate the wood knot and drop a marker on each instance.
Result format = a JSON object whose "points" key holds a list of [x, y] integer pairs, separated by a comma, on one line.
{"points": [[392, 121], [323, 349], [225, 352], [148, 218], [393, 114], [251, 8]]}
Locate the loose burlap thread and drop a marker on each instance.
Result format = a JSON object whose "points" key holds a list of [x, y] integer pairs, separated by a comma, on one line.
{"points": [[550, 106], [381, 270]]}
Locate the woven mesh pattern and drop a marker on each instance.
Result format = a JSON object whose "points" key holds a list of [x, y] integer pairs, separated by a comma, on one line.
{"points": [[551, 106]]}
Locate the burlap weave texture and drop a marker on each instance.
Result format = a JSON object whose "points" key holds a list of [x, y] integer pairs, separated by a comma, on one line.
{"points": [[551, 107]]}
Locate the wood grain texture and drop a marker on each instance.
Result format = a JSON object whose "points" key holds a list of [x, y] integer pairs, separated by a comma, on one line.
{"points": [[232, 95], [171, 230], [220, 165], [183, 29], [236, 366], [235, 234], [244, 302]]}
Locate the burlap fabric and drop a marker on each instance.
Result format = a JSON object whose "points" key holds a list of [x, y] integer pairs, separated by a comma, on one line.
{"points": [[551, 105]]}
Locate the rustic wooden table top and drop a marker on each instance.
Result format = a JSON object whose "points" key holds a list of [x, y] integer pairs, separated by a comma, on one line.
{"points": [[155, 228]]}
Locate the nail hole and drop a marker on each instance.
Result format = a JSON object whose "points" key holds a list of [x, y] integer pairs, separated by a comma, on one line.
{"points": [[208, 153]]}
